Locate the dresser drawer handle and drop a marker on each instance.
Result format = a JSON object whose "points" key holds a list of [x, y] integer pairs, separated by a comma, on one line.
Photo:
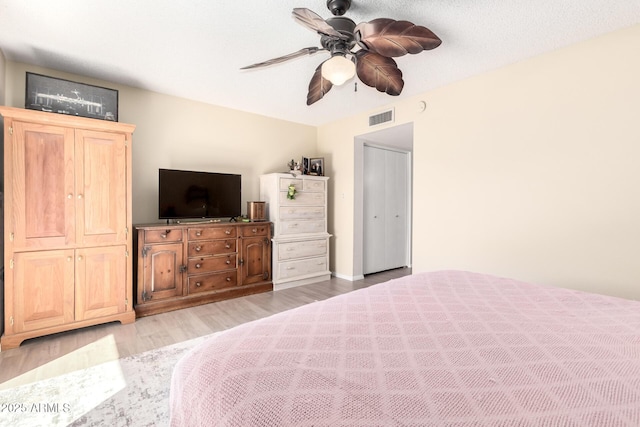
{"points": [[198, 265], [228, 279], [228, 261], [198, 284], [227, 232], [198, 248], [165, 234], [198, 233], [254, 231], [227, 246], [291, 268]]}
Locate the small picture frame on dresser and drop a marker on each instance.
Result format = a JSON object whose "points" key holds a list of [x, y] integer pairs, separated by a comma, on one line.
{"points": [[305, 166], [316, 166]]}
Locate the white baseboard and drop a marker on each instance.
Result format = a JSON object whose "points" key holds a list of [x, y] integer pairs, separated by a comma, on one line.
{"points": [[349, 278]]}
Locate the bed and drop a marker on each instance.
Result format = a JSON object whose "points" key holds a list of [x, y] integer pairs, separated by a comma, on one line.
{"points": [[447, 348]]}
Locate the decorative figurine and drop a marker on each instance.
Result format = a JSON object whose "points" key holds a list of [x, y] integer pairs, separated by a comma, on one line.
{"points": [[291, 193]]}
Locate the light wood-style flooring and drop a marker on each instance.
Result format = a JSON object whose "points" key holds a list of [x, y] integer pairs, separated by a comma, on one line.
{"points": [[53, 355]]}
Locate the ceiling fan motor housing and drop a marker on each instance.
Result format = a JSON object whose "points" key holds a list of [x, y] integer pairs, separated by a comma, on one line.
{"points": [[338, 7], [344, 26]]}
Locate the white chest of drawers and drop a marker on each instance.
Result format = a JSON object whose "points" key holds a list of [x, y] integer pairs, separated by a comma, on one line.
{"points": [[300, 237]]}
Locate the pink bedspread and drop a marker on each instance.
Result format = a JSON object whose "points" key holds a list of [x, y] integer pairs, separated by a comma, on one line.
{"points": [[439, 349]]}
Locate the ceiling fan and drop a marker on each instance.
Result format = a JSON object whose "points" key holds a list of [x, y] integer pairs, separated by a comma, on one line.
{"points": [[366, 49]]}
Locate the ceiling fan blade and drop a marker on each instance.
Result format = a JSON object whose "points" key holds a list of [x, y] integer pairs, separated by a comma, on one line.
{"points": [[314, 22], [301, 52], [318, 86], [379, 71], [391, 38]]}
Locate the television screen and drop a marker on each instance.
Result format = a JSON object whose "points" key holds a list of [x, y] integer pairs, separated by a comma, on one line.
{"points": [[189, 194]]}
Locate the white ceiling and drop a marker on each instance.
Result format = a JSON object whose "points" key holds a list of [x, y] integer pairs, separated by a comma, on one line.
{"points": [[194, 48]]}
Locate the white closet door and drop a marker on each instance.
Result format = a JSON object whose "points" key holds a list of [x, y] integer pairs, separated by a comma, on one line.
{"points": [[374, 210], [396, 209], [385, 209]]}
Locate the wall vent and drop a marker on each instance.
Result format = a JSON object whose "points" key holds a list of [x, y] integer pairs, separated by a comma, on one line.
{"points": [[384, 117]]}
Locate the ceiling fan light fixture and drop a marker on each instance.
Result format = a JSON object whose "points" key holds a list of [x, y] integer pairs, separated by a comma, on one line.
{"points": [[338, 70]]}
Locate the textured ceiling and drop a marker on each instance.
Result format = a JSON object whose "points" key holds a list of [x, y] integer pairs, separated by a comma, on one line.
{"points": [[195, 48]]}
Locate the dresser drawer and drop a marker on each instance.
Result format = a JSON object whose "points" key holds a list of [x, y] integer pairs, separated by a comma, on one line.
{"points": [[205, 233], [302, 199], [308, 248], [286, 182], [212, 263], [299, 227], [290, 269], [301, 212], [313, 185], [303, 184], [209, 247], [212, 282], [163, 236], [255, 230]]}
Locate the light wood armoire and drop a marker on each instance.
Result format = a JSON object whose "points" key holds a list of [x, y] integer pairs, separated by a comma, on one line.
{"points": [[67, 223]]}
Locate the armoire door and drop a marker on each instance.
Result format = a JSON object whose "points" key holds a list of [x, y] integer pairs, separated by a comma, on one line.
{"points": [[42, 186], [101, 185], [101, 277], [386, 180], [43, 290]]}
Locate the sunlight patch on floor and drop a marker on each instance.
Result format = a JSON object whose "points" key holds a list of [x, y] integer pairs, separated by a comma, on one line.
{"points": [[59, 400], [100, 351]]}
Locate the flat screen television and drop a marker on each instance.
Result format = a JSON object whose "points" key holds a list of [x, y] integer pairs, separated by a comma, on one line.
{"points": [[198, 195]]}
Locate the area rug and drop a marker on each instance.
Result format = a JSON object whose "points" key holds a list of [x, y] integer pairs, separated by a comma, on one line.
{"points": [[132, 391]]}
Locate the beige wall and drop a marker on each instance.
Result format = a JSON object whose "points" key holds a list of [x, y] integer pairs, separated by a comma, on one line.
{"points": [[176, 133], [531, 171]]}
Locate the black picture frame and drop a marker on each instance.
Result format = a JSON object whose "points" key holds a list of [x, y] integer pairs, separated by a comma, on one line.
{"points": [[316, 166], [44, 93], [305, 166]]}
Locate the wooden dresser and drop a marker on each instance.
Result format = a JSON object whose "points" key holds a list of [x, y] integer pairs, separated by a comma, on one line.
{"points": [[67, 222], [300, 238], [183, 265]]}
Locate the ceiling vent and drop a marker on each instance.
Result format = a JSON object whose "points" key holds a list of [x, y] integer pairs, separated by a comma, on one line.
{"points": [[384, 117]]}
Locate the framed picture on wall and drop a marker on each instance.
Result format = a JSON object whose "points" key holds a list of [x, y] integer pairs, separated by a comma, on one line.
{"points": [[61, 96], [316, 166]]}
